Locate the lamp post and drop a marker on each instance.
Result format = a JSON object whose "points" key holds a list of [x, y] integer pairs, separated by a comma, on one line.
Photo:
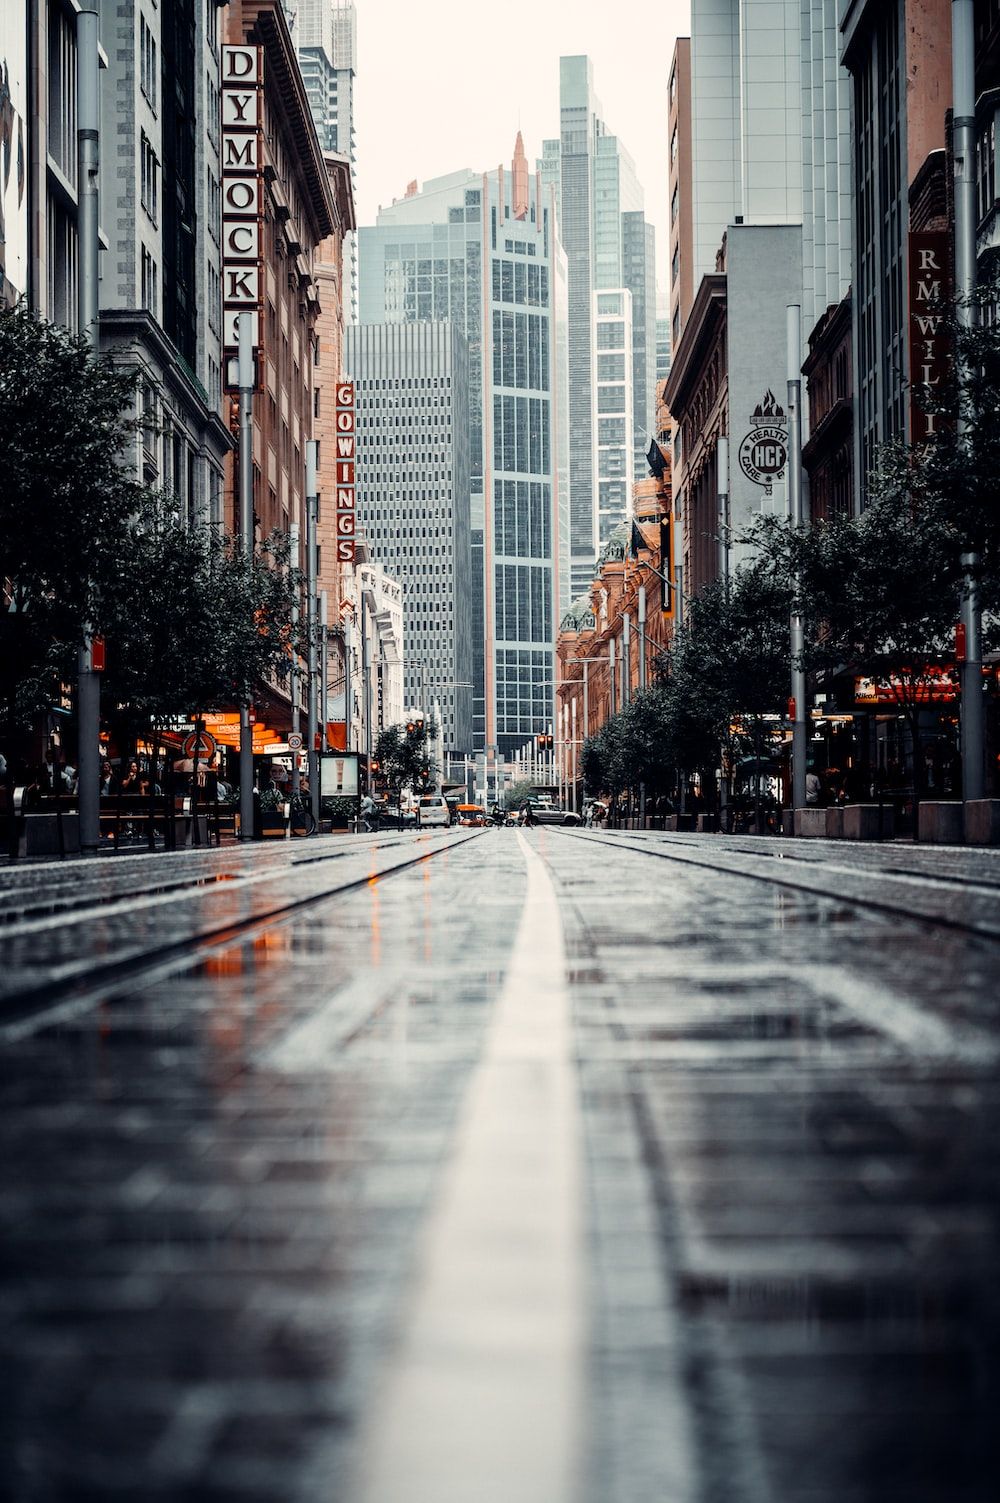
{"points": [[800, 729], [312, 517], [963, 74], [245, 381], [88, 699]]}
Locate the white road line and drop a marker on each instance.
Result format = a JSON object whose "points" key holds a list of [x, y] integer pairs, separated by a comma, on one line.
{"points": [[483, 1401]]}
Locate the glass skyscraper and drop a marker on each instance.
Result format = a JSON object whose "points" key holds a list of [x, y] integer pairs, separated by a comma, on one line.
{"points": [[482, 251], [610, 249]]}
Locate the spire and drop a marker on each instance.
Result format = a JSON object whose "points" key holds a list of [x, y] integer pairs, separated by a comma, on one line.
{"points": [[519, 186]]}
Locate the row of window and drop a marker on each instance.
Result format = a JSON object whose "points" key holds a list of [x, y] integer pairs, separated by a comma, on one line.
{"points": [[515, 282], [520, 350], [522, 524], [521, 435], [523, 602]]}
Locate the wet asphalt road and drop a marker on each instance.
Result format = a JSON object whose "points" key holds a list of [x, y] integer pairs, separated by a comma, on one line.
{"points": [[562, 1169]]}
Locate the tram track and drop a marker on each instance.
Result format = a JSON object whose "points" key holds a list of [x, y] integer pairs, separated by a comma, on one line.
{"points": [[58, 990], [968, 906]]}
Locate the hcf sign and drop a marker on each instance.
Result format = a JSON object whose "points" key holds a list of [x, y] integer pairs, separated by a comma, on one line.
{"points": [[242, 192]]}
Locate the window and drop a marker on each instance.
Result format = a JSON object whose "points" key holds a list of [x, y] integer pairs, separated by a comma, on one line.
{"points": [[675, 204], [673, 145], [147, 62], [675, 265], [150, 284], [150, 168], [673, 84], [609, 302]]}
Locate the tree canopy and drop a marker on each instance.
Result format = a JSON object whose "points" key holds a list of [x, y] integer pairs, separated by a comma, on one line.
{"points": [[66, 503]]}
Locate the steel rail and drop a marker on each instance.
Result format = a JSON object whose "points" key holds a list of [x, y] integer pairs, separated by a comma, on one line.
{"points": [[24, 1009], [790, 873]]}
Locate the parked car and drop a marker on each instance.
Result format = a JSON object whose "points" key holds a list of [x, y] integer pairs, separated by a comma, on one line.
{"points": [[433, 810]]}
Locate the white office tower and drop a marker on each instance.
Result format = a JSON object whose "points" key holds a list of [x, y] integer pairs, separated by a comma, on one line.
{"points": [[770, 127], [413, 492]]}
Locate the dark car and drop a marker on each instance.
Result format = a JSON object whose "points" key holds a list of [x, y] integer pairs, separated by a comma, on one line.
{"points": [[551, 814]]}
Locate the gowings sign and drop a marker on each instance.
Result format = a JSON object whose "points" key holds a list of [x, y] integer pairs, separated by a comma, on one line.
{"points": [[764, 450]]}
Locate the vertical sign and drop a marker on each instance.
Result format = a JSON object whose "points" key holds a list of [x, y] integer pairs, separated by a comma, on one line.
{"points": [[13, 160], [346, 458], [242, 199], [930, 344]]}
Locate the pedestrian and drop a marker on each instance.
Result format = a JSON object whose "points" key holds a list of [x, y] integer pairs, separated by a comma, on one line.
{"points": [[588, 818], [813, 787], [527, 816], [367, 811]]}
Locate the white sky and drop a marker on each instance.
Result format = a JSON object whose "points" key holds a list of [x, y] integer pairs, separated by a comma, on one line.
{"points": [[444, 84]]}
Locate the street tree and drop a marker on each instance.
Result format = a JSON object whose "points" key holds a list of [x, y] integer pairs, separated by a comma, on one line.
{"points": [[519, 792], [66, 500], [403, 754], [191, 623]]}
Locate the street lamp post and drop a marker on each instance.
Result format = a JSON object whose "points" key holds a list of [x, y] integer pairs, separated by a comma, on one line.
{"points": [[312, 509], [245, 382], [800, 728], [88, 699], [963, 73]]}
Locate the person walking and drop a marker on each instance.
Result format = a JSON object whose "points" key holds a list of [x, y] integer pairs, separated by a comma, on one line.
{"points": [[367, 812], [527, 816]]}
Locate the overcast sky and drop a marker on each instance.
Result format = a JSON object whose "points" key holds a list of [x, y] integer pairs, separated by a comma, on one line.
{"points": [[444, 84]]}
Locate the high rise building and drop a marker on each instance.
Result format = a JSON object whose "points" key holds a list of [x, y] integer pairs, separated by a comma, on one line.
{"points": [[165, 278], [898, 53], [413, 493], [482, 250], [679, 189], [770, 134], [609, 248], [326, 35]]}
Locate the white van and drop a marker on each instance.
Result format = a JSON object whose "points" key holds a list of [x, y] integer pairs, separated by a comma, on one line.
{"points": [[433, 810]]}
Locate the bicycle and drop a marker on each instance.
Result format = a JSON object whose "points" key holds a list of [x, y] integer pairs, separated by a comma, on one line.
{"points": [[300, 817]]}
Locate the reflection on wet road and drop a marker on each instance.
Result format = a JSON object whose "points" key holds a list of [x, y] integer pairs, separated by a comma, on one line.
{"points": [[674, 1185]]}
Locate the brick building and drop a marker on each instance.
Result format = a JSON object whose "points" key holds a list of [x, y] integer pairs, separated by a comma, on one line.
{"points": [[298, 212], [594, 635]]}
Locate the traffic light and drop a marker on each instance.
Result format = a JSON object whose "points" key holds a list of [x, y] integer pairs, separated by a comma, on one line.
{"points": [[544, 742]]}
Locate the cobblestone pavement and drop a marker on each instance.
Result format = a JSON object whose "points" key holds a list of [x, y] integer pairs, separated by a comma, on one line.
{"points": [[339, 1171]]}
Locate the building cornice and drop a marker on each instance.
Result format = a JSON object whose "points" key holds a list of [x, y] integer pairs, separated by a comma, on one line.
{"points": [[136, 328], [706, 314], [265, 22]]}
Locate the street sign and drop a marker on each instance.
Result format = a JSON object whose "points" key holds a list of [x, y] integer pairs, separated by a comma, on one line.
{"points": [[294, 741], [199, 746]]}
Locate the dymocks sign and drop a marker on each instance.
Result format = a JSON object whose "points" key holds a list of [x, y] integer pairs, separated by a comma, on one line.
{"points": [[242, 198], [346, 476]]}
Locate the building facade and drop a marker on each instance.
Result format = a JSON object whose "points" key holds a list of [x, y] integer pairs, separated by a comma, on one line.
{"points": [[299, 212], [679, 189], [898, 53], [413, 497], [482, 251], [326, 35], [161, 279], [609, 248]]}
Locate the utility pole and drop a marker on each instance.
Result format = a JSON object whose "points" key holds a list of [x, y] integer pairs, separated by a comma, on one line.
{"points": [[324, 667], [626, 658], [613, 676], [293, 533], [642, 638], [800, 739], [963, 77], [312, 510], [88, 696], [245, 381]]}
